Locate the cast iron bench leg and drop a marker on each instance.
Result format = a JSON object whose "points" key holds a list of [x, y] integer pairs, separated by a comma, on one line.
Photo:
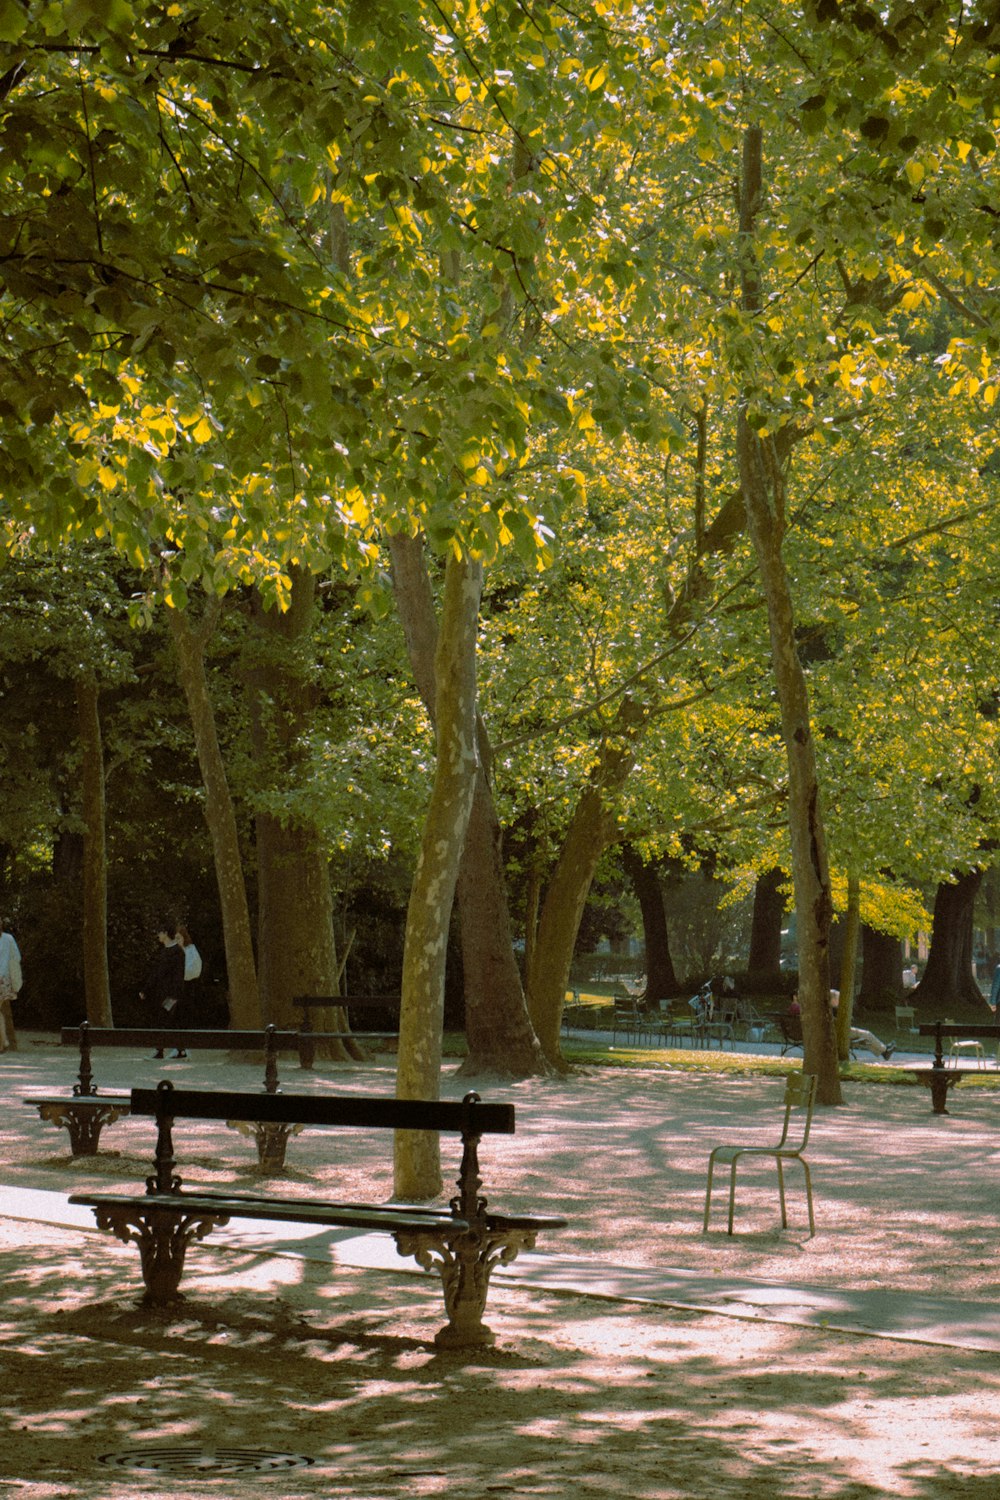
{"points": [[84, 1123], [465, 1262], [272, 1139], [162, 1236]]}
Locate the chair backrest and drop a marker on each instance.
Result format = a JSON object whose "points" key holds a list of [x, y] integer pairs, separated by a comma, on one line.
{"points": [[800, 1094], [904, 1015]]}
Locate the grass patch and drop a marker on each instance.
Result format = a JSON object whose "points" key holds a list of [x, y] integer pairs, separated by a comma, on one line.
{"points": [[744, 1064]]}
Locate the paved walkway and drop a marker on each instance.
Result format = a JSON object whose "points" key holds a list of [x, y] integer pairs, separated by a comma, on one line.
{"points": [[906, 1316]]}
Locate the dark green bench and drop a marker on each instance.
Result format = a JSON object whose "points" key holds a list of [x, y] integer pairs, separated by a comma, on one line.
{"points": [[86, 1109], [939, 1076], [462, 1242]]}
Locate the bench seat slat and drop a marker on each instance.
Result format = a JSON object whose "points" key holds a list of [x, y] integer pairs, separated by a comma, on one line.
{"points": [[348, 1216], [328, 1109], [241, 1205]]}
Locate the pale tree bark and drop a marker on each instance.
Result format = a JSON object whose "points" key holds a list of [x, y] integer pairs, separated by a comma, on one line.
{"points": [[417, 1172], [189, 643], [296, 949], [761, 461], [499, 1034], [96, 980]]}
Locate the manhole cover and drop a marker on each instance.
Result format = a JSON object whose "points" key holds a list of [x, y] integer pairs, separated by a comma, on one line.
{"points": [[215, 1460]]}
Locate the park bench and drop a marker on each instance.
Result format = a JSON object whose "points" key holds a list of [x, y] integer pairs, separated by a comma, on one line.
{"points": [[939, 1076], [790, 1028], [356, 1006], [462, 1242], [86, 1109]]}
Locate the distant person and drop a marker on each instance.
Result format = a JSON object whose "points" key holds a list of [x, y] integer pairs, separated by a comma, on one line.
{"points": [[164, 986], [10, 985], [995, 990], [192, 958], [862, 1038], [794, 1008], [910, 977]]}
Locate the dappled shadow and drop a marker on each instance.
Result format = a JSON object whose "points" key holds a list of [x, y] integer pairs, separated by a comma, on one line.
{"points": [[581, 1398], [286, 1347]]}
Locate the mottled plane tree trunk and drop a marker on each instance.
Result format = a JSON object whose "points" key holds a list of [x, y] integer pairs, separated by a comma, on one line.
{"points": [[499, 1034], [762, 460], [417, 1153]]}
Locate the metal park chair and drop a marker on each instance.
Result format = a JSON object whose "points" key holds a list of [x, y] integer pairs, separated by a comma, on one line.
{"points": [[800, 1095]]}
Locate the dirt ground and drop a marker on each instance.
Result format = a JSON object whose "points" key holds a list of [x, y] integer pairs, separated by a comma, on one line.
{"points": [[332, 1385]]}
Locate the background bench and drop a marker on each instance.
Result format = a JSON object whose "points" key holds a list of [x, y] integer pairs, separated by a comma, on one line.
{"points": [[462, 1242], [85, 1110], [940, 1076]]}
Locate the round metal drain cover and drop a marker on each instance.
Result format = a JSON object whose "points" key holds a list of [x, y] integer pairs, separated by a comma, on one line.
{"points": [[181, 1460]]}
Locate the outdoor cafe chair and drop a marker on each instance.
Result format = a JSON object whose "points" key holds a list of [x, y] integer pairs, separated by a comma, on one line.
{"points": [[958, 1045], [800, 1096]]}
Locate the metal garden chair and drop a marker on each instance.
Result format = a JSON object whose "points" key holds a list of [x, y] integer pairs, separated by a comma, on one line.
{"points": [[800, 1095]]}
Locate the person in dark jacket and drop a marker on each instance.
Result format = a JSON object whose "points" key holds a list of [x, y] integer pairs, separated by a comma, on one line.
{"points": [[164, 984]]}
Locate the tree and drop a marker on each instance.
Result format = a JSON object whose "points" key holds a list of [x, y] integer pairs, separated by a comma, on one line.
{"points": [[948, 977], [498, 1032], [190, 640], [417, 1158], [661, 980]]}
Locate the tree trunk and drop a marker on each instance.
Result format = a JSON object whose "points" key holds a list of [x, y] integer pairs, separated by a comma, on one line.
{"points": [[296, 947], [764, 959], [498, 1032], [295, 923], [661, 980], [417, 1154], [96, 980], [881, 968], [763, 484], [848, 967], [189, 643], [947, 979], [592, 828], [500, 1037]]}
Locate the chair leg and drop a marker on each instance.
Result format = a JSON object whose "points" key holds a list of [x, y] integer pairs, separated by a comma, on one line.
{"points": [[708, 1193], [781, 1193], [732, 1194], [809, 1195]]}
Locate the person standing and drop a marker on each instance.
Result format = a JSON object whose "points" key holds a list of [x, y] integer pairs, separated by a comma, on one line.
{"points": [[995, 990], [164, 984], [10, 985], [192, 958]]}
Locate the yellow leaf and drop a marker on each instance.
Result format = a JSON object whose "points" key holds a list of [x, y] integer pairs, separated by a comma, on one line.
{"points": [[203, 432]]}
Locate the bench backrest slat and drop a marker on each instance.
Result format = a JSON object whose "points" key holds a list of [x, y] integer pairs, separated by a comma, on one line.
{"points": [[115, 1036], [465, 1117], [975, 1030]]}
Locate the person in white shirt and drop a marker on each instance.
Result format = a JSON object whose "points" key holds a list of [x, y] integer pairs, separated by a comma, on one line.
{"points": [[862, 1038], [10, 984]]}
